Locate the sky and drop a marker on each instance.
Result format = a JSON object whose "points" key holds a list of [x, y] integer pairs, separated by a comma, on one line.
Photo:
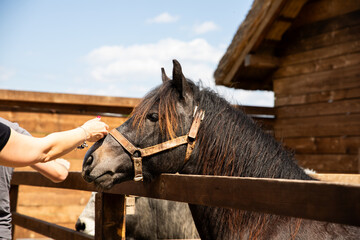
{"points": [[117, 48]]}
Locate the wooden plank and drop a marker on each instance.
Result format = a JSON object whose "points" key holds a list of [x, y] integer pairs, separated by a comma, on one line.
{"points": [[292, 8], [48, 229], [11, 100], [63, 98], [110, 216], [261, 61], [56, 214], [347, 107], [334, 202], [78, 109], [318, 65], [44, 123], [323, 96], [359, 160], [339, 178], [314, 11], [324, 52], [323, 145], [329, 163], [278, 28], [54, 197], [73, 181], [295, 41], [343, 78], [323, 126], [258, 194]]}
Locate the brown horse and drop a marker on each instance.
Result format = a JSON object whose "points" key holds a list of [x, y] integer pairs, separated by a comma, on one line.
{"points": [[215, 140]]}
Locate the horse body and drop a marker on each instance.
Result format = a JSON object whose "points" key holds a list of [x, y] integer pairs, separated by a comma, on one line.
{"points": [[229, 143]]}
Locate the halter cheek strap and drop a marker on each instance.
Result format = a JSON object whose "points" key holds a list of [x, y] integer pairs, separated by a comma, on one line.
{"points": [[138, 153]]}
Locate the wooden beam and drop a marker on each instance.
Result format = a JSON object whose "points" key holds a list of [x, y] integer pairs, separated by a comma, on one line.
{"points": [[61, 108], [73, 181], [110, 216], [64, 98], [261, 61], [359, 160], [338, 178], [48, 229], [277, 30], [333, 202], [255, 32], [64, 103]]}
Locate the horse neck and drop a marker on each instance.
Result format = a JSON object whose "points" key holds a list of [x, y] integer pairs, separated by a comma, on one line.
{"points": [[231, 144], [221, 223]]}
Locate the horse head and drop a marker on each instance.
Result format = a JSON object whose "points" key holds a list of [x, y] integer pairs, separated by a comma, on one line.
{"points": [[132, 149]]}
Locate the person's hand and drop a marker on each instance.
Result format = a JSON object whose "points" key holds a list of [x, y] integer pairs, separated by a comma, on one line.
{"points": [[95, 129]]}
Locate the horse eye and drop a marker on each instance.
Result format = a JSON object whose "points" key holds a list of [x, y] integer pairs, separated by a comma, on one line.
{"points": [[154, 117]]}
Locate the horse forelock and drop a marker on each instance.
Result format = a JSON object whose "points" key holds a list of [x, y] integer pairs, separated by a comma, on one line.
{"points": [[164, 97]]}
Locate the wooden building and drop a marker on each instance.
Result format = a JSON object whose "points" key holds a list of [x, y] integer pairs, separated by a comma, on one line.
{"points": [[308, 53]]}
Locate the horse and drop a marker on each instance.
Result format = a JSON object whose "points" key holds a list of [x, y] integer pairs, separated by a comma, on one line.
{"points": [[153, 219], [219, 140]]}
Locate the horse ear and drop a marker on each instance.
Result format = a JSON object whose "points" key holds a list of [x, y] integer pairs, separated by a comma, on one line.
{"points": [[163, 76], [179, 78]]}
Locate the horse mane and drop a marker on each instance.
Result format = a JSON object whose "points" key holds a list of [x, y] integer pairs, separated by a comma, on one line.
{"points": [[229, 143], [163, 98]]}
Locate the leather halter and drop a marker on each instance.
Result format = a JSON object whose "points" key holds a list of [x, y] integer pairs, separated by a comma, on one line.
{"points": [[138, 153]]}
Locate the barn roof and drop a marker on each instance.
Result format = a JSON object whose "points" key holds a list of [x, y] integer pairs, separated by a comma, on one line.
{"points": [[250, 58]]}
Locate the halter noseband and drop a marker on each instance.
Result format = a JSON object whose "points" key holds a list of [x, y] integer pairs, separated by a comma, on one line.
{"points": [[138, 153]]}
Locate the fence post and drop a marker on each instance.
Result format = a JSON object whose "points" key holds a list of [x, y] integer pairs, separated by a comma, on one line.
{"points": [[358, 160], [109, 216], [14, 193]]}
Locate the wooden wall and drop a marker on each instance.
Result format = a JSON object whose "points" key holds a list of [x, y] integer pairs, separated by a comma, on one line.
{"points": [[317, 87], [41, 114]]}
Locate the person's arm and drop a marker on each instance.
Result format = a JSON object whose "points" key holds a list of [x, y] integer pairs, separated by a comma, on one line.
{"points": [[56, 170], [22, 150]]}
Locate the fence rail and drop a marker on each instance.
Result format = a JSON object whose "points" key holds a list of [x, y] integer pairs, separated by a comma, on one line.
{"points": [[25, 101], [331, 202]]}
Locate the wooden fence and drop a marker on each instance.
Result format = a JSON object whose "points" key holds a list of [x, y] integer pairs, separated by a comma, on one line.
{"points": [[42, 113], [331, 202]]}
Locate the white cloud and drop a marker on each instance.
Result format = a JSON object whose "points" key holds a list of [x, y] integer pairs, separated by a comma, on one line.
{"points": [[163, 18], [131, 63], [5, 73], [205, 27], [132, 71]]}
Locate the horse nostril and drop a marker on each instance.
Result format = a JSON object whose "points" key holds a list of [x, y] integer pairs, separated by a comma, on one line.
{"points": [[89, 160], [80, 226]]}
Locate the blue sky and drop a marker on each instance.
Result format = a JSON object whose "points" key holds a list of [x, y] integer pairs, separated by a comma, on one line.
{"points": [[116, 48]]}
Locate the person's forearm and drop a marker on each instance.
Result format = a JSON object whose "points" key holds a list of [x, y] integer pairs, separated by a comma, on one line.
{"points": [[21, 150], [56, 170], [60, 143]]}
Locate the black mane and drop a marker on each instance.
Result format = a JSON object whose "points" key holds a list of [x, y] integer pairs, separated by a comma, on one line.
{"points": [[232, 144]]}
